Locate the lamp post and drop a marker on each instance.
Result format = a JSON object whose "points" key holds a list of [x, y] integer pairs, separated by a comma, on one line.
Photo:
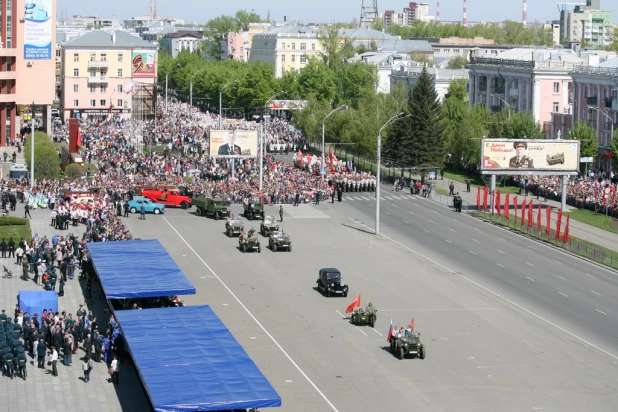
{"points": [[342, 107], [191, 90], [392, 119], [220, 96], [505, 102], [261, 151], [375, 80]]}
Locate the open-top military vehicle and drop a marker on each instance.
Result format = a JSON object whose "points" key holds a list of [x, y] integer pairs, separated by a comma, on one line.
{"points": [[215, 207], [280, 240], [249, 242], [407, 344], [364, 317], [329, 282], [268, 226], [253, 210], [234, 226]]}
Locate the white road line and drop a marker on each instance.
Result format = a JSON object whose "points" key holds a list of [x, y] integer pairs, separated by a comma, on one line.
{"points": [[560, 263], [392, 204], [255, 320], [357, 328], [448, 241], [370, 205], [529, 264], [500, 366], [366, 198], [596, 293], [588, 274], [499, 251], [341, 314], [474, 253], [601, 312], [435, 211], [377, 332], [502, 239], [426, 231], [536, 408], [560, 328], [405, 221], [452, 230], [560, 277], [430, 221], [476, 228], [500, 265], [455, 220], [528, 250], [476, 241], [529, 278], [387, 213], [411, 212], [563, 294]]}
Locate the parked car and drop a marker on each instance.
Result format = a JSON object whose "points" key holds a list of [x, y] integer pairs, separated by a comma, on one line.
{"points": [[135, 205]]}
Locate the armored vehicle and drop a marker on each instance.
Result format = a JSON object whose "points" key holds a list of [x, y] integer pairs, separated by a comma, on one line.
{"points": [[253, 210], [280, 240], [249, 242], [215, 207], [364, 317], [268, 226], [329, 282], [234, 226], [407, 344]]}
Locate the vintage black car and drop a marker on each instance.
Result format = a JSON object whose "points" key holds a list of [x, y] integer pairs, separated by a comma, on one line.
{"points": [[329, 282]]}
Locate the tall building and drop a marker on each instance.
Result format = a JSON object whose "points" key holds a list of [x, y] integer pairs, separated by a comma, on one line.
{"points": [[586, 24], [27, 56]]}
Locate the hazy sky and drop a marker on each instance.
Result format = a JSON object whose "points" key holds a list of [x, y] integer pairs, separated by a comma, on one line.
{"points": [[319, 10]]}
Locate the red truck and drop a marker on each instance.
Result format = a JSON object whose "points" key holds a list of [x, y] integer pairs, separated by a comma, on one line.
{"points": [[166, 196]]}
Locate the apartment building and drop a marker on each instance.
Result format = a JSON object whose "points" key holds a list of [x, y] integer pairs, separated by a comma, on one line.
{"points": [[235, 46], [442, 78], [182, 40], [105, 72], [586, 23]]}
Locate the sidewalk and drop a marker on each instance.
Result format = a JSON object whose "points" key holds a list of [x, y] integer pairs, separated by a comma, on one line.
{"points": [[577, 229]]}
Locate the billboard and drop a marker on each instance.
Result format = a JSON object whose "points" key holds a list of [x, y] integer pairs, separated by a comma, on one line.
{"points": [[233, 143], [143, 64], [38, 30], [288, 104], [507, 156]]}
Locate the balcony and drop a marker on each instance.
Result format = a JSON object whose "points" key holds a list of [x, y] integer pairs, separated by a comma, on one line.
{"points": [[97, 80], [513, 92], [592, 101], [8, 75], [98, 64]]}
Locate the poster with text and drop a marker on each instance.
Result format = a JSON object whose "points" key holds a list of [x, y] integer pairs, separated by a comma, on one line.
{"points": [[38, 29], [228, 143], [529, 155], [143, 64]]}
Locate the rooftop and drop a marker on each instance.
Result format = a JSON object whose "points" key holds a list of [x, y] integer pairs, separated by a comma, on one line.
{"points": [[365, 34], [102, 38]]}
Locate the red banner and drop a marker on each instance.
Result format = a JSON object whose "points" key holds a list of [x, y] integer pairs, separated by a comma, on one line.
{"points": [[485, 193], [548, 221], [498, 203], [566, 229], [507, 206], [478, 198], [559, 224], [523, 212], [530, 215], [538, 219], [515, 207]]}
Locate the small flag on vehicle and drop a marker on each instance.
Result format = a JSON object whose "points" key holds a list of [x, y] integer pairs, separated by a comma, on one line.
{"points": [[411, 325], [390, 332], [355, 304]]}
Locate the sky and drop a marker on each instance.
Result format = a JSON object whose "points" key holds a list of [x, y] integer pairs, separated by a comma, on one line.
{"points": [[320, 10]]}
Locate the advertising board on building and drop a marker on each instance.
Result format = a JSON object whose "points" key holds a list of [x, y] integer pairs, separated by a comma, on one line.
{"points": [[507, 156], [229, 143], [143, 64], [288, 104], [38, 29]]}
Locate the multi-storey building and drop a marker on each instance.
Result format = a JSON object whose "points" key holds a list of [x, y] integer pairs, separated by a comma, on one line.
{"points": [[235, 46], [28, 41], [415, 11], [106, 72], [177, 42], [586, 23], [442, 78]]}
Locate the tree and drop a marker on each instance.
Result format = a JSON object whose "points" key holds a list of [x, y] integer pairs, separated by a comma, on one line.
{"points": [[587, 136], [522, 125], [46, 163], [318, 80], [74, 171], [458, 62], [217, 29], [614, 142]]}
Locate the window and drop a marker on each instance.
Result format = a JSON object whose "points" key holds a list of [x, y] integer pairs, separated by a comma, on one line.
{"points": [[282, 71], [93, 73], [283, 58], [119, 88], [293, 58], [75, 72], [283, 45], [58, 53], [93, 89], [456, 51], [293, 46], [103, 88], [76, 88], [119, 103], [103, 57], [556, 107], [58, 66], [58, 79], [119, 72], [93, 103], [120, 56], [303, 59], [556, 87], [102, 102], [76, 58], [312, 46], [75, 103], [93, 57], [437, 51], [303, 46]]}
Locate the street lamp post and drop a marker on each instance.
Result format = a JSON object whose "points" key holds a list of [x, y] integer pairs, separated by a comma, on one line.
{"points": [[191, 90], [375, 80], [392, 119], [220, 96], [342, 107], [261, 151], [505, 102]]}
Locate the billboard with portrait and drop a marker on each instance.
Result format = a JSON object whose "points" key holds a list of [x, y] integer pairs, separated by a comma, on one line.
{"points": [[143, 64], [38, 30], [228, 143], [507, 156]]}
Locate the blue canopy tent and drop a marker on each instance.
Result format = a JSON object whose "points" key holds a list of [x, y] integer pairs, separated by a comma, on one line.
{"points": [[137, 269], [34, 301], [189, 361]]}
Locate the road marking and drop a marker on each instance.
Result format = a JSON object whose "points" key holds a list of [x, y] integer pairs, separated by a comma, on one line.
{"points": [[560, 277], [596, 293], [435, 211], [474, 253], [536, 408], [252, 337], [529, 264], [500, 265], [455, 220], [370, 205], [529, 278], [560, 263], [560, 328], [202, 277], [426, 231], [476, 241], [436, 309], [476, 228], [412, 212], [499, 251], [388, 213], [341, 314], [288, 381], [528, 250], [601, 312], [588, 274], [563, 294], [430, 221], [502, 239], [448, 241], [377, 332], [255, 320], [358, 329], [500, 366], [452, 230], [405, 221]]}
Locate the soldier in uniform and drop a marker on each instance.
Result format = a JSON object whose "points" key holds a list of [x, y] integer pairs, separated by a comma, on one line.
{"points": [[521, 160], [370, 308], [9, 365], [21, 364]]}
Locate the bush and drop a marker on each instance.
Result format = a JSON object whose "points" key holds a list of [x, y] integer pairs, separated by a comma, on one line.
{"points": [[74, 171], [46, 163], [12, 221]]}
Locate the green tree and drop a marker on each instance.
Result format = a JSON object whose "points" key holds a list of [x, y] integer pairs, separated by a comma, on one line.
{"points": [[218, 28], [523, 125], [587, 136], [74, 171], [458, 62], [319, 80], [46, 163]]}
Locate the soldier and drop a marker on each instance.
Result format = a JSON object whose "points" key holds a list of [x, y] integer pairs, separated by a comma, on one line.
{"points": [[3, 318], [521, 160], [21, 364], [9, 365], [370, 308]]}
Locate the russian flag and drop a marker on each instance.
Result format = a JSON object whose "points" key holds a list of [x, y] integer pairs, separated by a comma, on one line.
{"points": [[390, 332]]}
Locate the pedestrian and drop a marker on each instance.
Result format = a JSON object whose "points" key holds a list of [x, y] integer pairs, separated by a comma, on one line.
{"points": [[126, 209], [27, 211], [53, 360], [87, 367], [468, 183], [25, 268], [280, 213], [113, 370], [451, 189], [142, 212]]}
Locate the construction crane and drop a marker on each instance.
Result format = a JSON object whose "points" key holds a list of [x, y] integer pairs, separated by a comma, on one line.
{"points": [[563, 8]]}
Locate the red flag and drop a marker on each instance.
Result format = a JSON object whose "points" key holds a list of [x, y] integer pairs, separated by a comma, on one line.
{"points": [[548, 224], [507, 206], [478, 198], [411, 325], [538, 219], [390, 332], [498, 203], [559, 224], [355, 304], [530, 216], [485, 193], [566, 229], [523, 212], [515, 207]]}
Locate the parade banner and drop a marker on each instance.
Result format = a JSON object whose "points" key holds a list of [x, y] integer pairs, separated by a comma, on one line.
{"points": [[38, 29], [507, 156], [143, 64], [230, 143]]}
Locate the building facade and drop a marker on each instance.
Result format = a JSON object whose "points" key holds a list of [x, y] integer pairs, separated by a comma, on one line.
{"points": [[177, 42], [235, 46], [102, 73], [442, 78], [586, 23]]}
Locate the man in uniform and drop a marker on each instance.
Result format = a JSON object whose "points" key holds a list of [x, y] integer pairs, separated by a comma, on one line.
{"points": [[9, 365], [21, 364], [3, 318], [520, 160], [370, 308], [280, 213]]}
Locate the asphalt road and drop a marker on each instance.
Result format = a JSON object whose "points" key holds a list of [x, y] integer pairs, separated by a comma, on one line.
{"points": [[495, 339]]}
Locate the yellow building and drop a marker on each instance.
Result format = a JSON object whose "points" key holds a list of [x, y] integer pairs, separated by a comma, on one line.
{"points": [[106, 73]]}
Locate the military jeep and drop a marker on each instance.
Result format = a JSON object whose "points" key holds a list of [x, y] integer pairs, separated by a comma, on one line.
{"points": [[364, 317], [234, 227], [249, 242], [407, 344], [253, 209], [279, 240], [268, 226], [329, 282], [215, 207]]}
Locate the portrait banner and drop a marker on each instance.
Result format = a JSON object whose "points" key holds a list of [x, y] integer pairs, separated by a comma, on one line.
{"points": [[508, 156], [234, 143], [38, 30], [143, 64]]}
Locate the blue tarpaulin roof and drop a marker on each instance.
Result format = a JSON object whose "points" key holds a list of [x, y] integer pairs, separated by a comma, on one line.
{"points": [[34, 301], [138, 269], [189, 361]]}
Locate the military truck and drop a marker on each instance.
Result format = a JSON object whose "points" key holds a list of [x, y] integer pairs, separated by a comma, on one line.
{"points": [[249, 242], [215, 207], [253, 210], [329, 282], [234, 226], [279, 240], [268, 226], [364, 317], [407, 344]]}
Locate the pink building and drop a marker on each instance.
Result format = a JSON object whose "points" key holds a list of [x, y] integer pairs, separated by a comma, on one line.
{"points": [[27, 62], [235, 47]]}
